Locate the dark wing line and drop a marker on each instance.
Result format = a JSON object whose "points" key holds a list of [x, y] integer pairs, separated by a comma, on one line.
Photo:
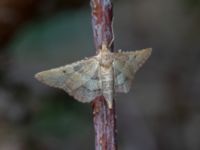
{"points": [[126, 65], [75, 79]]}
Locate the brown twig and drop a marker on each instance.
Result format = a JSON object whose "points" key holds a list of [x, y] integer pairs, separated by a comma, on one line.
{"points": [[104, 118], [102, 17]]}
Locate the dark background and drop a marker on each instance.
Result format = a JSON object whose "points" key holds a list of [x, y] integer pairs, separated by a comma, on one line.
{"points": [[161, 112]]}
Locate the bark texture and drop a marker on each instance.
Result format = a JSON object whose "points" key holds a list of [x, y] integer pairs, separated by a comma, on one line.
{"points": [[103, 117]]}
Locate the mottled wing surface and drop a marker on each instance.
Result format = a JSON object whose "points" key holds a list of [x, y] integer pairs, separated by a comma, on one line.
{"points": [[79, 79], [125, 66]]}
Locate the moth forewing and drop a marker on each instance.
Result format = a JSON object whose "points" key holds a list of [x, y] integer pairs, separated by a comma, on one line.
{"points": [[125, 66], [79, 79]]}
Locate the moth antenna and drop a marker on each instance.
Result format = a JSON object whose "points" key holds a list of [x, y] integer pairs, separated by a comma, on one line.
{"points": [[111, 42]]}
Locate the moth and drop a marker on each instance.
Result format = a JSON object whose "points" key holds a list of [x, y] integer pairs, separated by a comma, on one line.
{"points": [[105, 74]]}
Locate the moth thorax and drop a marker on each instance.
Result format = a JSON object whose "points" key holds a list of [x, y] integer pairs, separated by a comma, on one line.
{"points": [[106, 59]]}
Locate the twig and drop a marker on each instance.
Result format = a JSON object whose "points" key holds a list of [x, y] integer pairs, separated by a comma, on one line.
{"points": [[104, 118]]}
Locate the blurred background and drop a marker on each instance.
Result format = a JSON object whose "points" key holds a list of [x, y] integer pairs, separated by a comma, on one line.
{"points": [[162, 111]]}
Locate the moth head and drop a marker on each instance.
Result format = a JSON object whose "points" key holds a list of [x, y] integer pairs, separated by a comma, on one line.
{"points": [[106, 58], [104, 48]]}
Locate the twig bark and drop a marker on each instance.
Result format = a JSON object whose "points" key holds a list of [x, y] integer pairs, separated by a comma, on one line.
{"points": [[102, 18], [103, 117]]}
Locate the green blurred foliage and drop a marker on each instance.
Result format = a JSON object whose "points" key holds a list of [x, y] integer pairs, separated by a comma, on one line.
{"points": [[62, 117], [192, 4]]}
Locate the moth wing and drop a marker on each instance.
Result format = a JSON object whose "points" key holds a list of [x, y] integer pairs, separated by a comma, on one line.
{"points": [[125, 66], [79, 79]]}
